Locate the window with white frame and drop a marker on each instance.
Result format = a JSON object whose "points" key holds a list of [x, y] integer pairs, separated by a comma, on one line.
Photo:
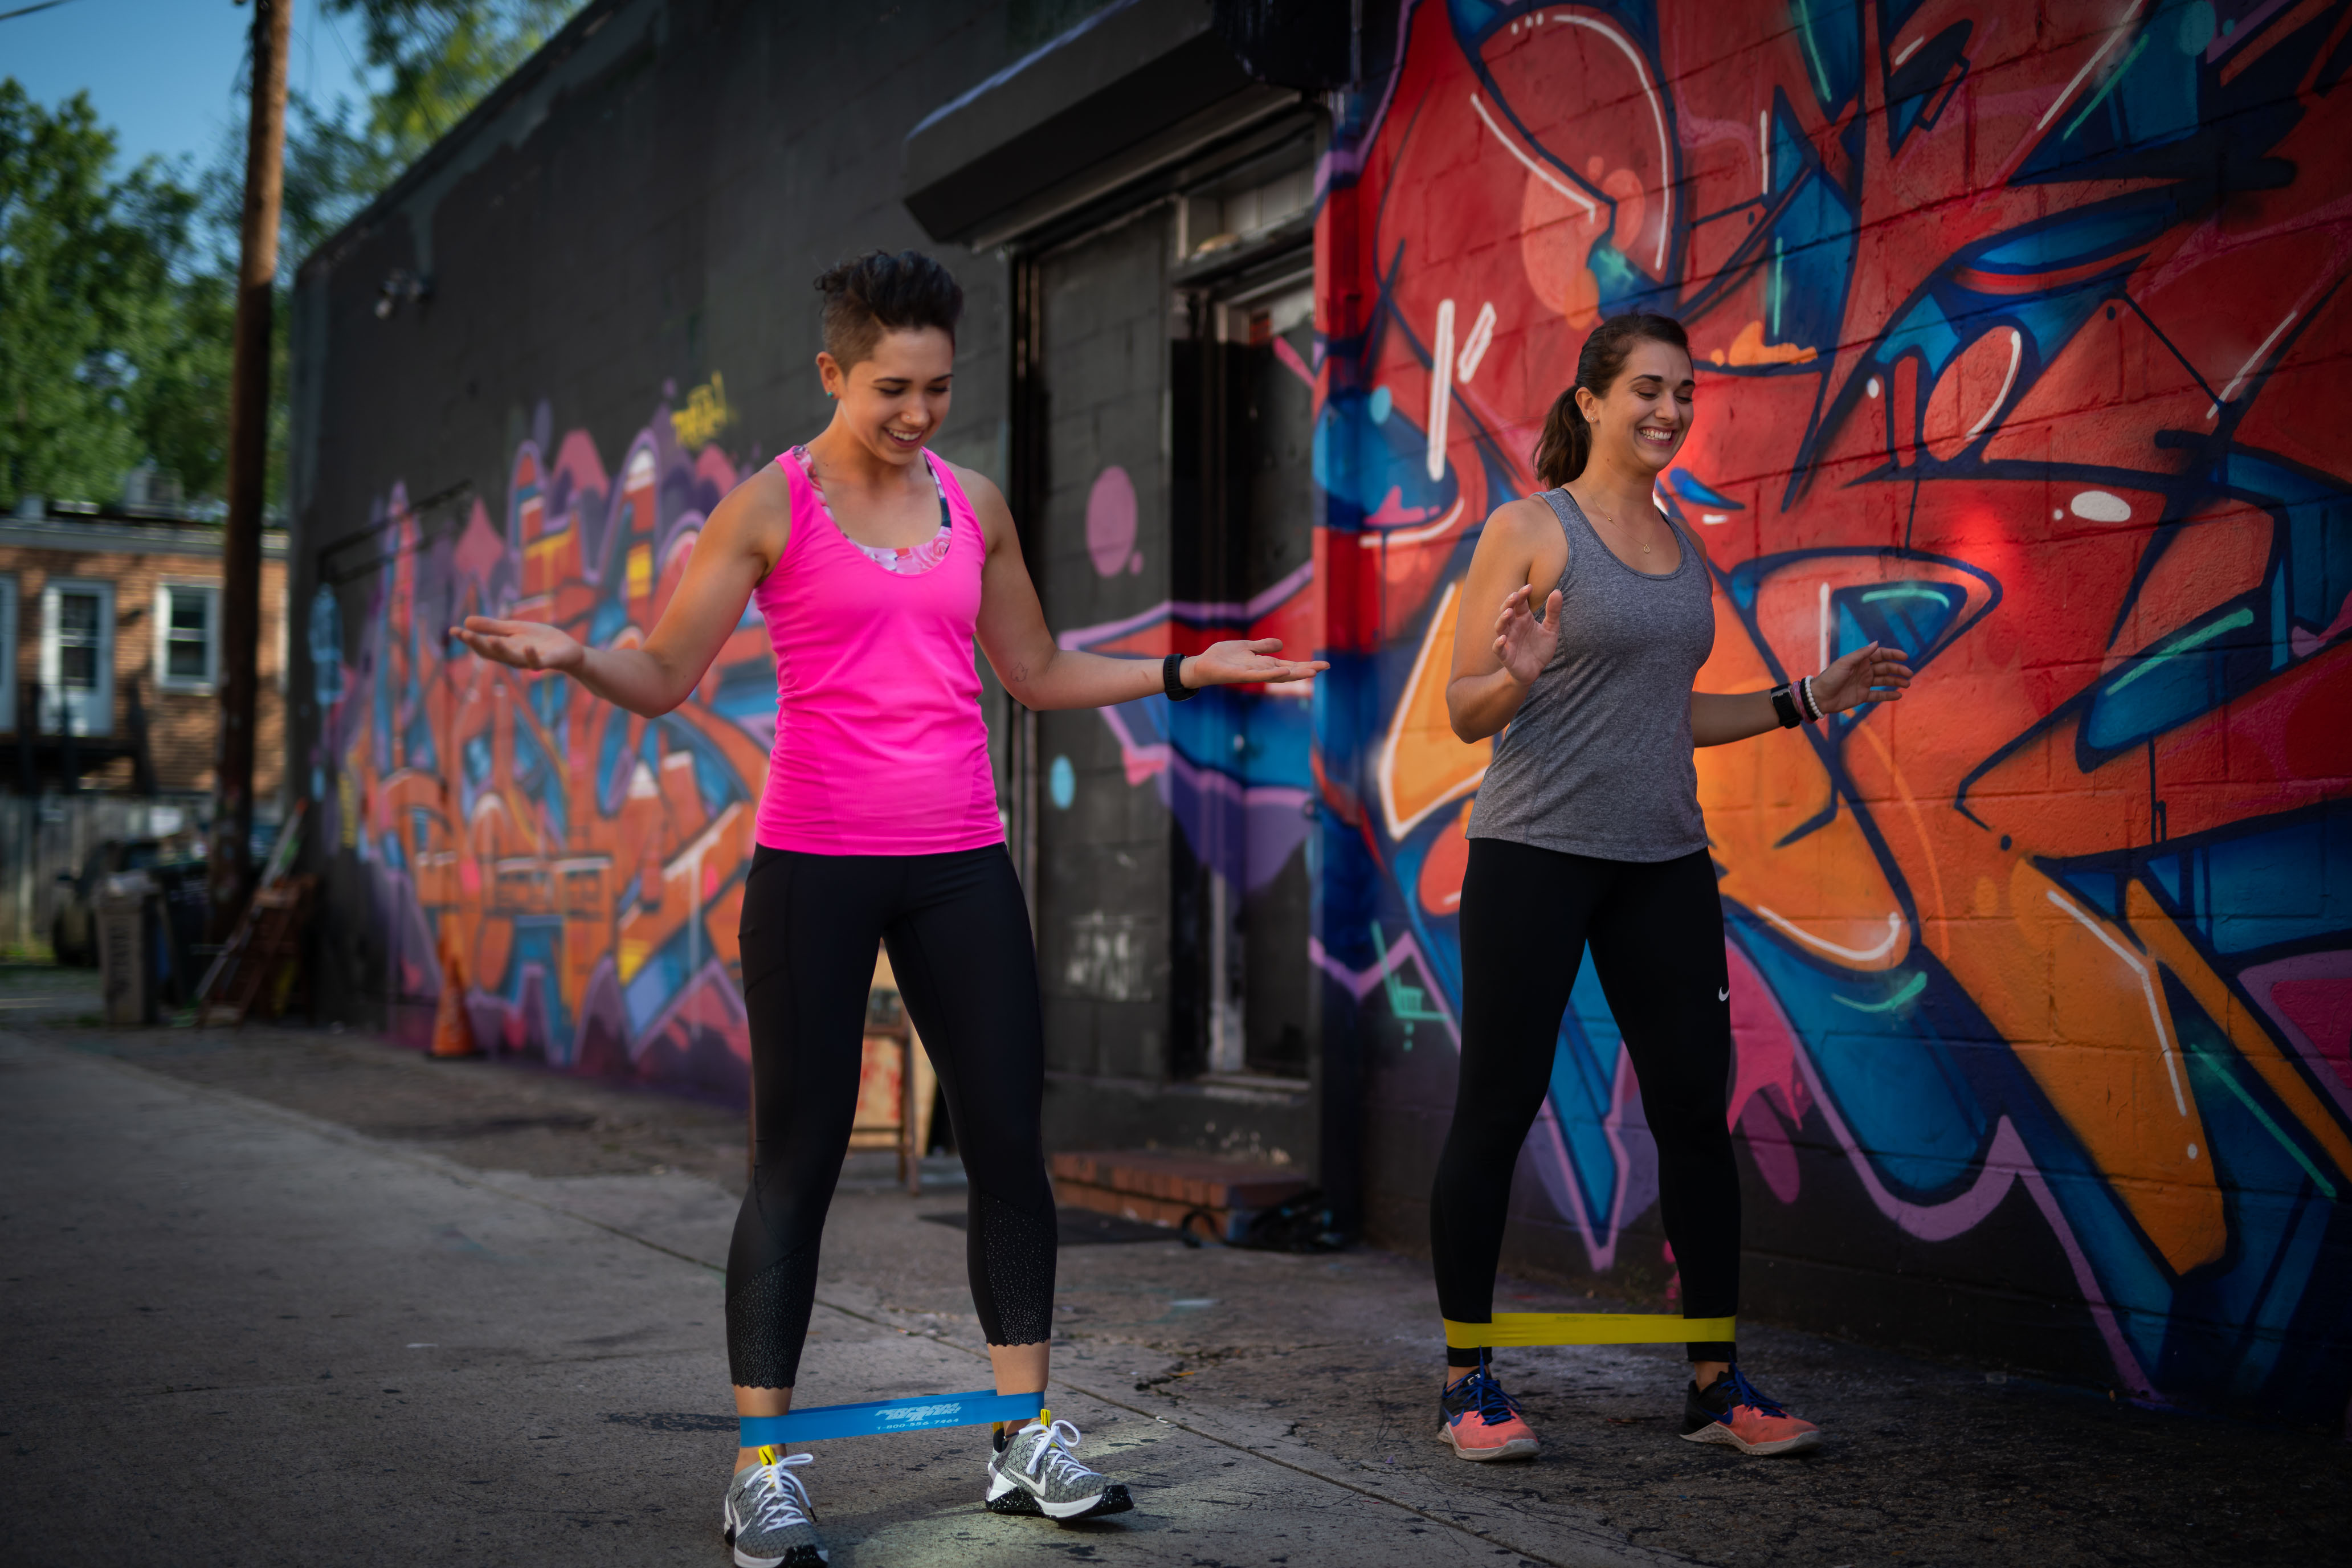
{"points": [[7, 654], [77, 656], [187, 636]]}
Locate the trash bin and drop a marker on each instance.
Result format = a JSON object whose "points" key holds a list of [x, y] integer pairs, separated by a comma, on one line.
{"points": [[126, 967], [181, 914]]}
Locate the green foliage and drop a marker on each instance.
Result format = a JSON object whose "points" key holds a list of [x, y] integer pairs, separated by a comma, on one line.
{"points": [[183, 358], [444, 56], [104, 336], [117, 297]]}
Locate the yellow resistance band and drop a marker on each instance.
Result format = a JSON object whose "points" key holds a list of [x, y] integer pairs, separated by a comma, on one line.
{"points": [[1586, 1328]]}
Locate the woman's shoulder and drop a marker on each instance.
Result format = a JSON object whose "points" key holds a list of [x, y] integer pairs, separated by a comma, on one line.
{"points": [[756, 515], [1526, 512], [1692, 536], [977, 487], [988, 503], [1526, 523], [765, 495]]}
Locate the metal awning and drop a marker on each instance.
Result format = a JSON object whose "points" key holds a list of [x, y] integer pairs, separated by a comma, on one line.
{"points": [[1136, 86]]}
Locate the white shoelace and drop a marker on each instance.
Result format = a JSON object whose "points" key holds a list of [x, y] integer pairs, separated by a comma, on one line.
{"points": [[783, 1501], [1049, 1454]]}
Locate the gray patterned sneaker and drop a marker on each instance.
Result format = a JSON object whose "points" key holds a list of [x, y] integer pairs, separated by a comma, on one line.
{"points": [[1035, 1474], [768, 1519]]}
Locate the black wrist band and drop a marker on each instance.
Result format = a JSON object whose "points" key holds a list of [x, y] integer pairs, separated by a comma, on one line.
{"points": [[1784, 703], [1171, 679]]}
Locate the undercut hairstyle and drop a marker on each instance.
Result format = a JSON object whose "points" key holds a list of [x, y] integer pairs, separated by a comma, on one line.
{"points": [[881, 292], [1565, 444]]}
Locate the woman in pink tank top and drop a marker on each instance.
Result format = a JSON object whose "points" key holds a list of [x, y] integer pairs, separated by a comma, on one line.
{"points": [[876, 565]]}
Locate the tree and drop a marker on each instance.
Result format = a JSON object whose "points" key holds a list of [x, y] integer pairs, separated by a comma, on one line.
{"points": [[334, 167], [79, 292], [444, 56], [117, 297], [181, 399]]}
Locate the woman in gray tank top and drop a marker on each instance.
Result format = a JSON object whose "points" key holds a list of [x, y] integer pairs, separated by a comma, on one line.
{"points": [[1587, 831]]}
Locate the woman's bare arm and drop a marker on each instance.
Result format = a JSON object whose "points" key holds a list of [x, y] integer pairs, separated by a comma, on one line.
{"points": [[743, 539], [1040, 674], [1870, 674], [1499, 646], [1718, 718]]}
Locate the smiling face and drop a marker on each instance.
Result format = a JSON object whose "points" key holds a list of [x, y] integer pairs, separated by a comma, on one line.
{"points": [[895, 398], [1639, 423]]}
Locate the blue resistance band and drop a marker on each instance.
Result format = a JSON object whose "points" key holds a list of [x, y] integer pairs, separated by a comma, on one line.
{"points": [[888, 1416]]}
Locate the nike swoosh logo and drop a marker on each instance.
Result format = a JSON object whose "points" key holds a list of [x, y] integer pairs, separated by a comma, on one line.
{"points": [[1724, 995]]}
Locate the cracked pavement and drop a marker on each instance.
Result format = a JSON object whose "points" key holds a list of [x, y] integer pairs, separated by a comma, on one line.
{"points": [[385, 1309]]}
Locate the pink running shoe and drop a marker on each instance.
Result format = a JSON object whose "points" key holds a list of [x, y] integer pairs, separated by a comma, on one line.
{"points": [[1481, 1421], [1731, 1412]]}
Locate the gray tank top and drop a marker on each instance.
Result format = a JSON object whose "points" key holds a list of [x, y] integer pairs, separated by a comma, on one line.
{"points": [[1598, 760]]}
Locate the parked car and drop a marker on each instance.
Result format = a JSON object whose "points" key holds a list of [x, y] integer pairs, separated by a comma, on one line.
{"points": [[73, 929]]}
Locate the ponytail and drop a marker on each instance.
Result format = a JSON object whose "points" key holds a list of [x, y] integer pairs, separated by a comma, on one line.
{"points": [[1565, 444]]}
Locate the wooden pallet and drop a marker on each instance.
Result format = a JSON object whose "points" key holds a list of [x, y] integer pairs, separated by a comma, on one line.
{"points": [[263, 956], [260, 958]]}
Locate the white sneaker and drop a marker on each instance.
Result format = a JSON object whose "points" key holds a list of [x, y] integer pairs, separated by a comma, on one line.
{"points": [[768, 1517], [1035, 1474]]}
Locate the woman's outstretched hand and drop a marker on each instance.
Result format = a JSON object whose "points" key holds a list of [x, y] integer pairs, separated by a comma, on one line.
{"points": [[1870, 674], [1523, 645], [525, 645], [1243, 663]]}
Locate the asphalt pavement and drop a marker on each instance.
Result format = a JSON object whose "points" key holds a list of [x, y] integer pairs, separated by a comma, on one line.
{"points": [[278, 1296]]}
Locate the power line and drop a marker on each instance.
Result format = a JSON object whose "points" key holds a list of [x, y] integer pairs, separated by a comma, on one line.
{"points": [[28, 10]]}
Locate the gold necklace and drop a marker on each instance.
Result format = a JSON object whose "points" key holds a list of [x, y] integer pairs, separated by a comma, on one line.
{"points": [[1613, 522]]}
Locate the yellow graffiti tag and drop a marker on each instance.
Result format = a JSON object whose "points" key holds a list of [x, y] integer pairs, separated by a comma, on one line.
{"points": [[705, 414]]}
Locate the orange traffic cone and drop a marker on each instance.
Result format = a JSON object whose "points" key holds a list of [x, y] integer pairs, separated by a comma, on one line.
{"points": [[453, 1032]]}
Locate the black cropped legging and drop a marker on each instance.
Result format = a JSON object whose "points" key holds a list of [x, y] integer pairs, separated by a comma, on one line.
{"points": [[1656, 934], [958, 932]]}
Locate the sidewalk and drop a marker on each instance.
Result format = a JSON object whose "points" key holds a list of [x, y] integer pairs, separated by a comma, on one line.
{"points": [[277, 1295]]}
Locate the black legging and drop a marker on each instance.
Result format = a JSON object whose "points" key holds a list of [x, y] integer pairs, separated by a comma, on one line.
{"points": [[1657, 933], [958, 932]]}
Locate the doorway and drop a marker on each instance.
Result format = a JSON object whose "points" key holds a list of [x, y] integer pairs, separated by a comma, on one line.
{"points": [[1256, 552]]}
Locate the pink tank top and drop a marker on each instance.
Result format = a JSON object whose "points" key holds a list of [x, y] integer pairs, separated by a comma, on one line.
{"points": [[880, 746]]}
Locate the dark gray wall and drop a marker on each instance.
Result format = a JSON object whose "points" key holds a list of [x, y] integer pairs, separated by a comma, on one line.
{"points": [[640, 210], [1102, 864], [643, 206]]}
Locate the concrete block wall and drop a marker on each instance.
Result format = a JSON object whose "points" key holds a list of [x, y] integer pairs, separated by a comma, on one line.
{"points": [[1103, 893], [2015, 325], [620, 244], [2011, 322]]}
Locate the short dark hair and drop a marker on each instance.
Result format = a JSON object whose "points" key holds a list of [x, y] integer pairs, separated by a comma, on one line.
{"points": [[1566, 443], [880, 292]]}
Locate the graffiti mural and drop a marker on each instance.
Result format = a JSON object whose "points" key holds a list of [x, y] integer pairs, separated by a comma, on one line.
{"points": [[589, 863], [2018, 328]]}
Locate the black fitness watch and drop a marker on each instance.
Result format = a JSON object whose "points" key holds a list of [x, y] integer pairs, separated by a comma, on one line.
{"points": [[1784, 703], [1171, 678]]}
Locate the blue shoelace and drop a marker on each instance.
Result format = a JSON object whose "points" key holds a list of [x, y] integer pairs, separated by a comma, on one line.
{"points": [[1486, 1396], [1744, 1392]]}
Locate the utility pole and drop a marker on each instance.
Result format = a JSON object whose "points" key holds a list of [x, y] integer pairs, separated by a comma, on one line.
{"points": [[231, 867]]}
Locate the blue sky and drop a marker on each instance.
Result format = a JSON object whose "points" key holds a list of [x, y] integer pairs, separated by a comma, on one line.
{"points": [[162, 73]]}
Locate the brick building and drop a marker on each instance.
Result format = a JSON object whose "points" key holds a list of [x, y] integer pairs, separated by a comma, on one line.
{"points": [[109, 655]]}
